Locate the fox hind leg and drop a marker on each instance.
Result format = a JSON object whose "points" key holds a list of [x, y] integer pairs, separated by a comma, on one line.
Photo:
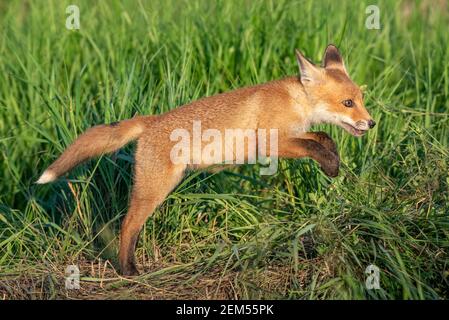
{"points": [[154, 179], [139, 210]]}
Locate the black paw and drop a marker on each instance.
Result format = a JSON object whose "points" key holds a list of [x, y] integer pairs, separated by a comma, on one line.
{"points": [[129, 271], [332, 165], [327, 141]]}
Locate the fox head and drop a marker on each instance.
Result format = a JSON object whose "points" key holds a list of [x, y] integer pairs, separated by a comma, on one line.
{"points": [[334, 97]]}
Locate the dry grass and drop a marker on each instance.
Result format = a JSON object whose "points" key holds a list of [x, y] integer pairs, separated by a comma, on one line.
{"points": [[100, 280]]}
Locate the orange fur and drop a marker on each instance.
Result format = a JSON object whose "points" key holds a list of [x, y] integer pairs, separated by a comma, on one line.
{"points": [[290, 105]]}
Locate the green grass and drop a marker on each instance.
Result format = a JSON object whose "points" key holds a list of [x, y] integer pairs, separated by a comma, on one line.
{"points": [[235, 234]]}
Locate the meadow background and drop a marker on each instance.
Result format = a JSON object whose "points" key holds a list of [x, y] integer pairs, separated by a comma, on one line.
{"points": [[235, 234]]}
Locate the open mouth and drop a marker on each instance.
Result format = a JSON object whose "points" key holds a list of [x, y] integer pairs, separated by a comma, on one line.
{"points": [[353, 130]]}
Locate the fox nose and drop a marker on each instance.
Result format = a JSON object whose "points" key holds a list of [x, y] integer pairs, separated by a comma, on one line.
{"points": [[371, 123]]}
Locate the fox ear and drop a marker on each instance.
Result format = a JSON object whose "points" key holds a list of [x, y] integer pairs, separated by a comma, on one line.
{"points": [[333, 59], [307, 70]]}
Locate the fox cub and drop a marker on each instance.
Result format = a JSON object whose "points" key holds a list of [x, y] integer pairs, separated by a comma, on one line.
{"points": [[318, 94]]}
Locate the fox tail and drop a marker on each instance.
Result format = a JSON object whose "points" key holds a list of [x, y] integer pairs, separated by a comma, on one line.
{"points": [[96, 141]]}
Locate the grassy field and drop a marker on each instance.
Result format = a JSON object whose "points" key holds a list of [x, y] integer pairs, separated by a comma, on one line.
{"points": [[234, 234]]}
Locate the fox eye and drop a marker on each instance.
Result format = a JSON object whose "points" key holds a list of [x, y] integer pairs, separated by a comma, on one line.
{"points": [[349, 103]]}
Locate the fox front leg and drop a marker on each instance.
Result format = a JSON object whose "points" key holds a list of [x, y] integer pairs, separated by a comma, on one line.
{"points": [[322, 138], [301, 148]]}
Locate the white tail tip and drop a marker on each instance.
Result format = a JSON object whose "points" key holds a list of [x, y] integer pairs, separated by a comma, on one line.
{"points": [[46, 177]]}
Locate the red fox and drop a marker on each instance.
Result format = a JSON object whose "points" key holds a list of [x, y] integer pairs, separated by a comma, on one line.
{"points": [[318, 94]]}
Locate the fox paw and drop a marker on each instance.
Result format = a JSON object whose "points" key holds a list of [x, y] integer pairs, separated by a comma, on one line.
{"points": [[332, 166], [327, 142], [129, 271]]}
